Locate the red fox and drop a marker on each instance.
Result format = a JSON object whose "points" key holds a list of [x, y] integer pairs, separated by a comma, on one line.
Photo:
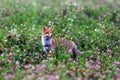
{"points": [[49, 43]]}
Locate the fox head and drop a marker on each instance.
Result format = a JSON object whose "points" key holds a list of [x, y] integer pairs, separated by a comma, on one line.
{"points": [[47, 32]]}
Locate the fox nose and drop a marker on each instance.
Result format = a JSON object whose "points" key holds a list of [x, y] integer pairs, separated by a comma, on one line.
{"points": [[48, 36]]}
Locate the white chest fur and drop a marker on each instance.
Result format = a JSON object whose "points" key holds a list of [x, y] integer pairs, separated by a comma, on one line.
{"points": [[46, 43]]}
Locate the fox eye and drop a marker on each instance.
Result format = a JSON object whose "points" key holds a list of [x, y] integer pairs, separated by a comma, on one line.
{"points": [[47, 32]]}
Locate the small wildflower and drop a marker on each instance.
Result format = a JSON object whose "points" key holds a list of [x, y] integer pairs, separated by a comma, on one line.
{"points": [[11, 53], [69, 73], [9, 76], [118, 74], [0, 68], [31, 77], [50, 77], [79, 52], [71, 59], [41, 78]]}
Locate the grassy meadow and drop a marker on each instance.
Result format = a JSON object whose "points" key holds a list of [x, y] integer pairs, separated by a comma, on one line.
{"points": [[94, 26]]}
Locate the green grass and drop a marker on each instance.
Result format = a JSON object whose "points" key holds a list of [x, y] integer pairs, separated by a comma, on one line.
{"points": [[95, 30]]}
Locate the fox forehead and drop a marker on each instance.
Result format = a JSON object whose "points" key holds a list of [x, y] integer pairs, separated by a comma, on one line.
{"points": [[47, 30]]}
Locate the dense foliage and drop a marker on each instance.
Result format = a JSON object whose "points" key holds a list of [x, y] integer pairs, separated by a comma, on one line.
{"points": [[93, 25]]}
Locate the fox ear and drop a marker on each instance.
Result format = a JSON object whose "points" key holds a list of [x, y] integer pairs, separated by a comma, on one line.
{"points": [[52, 27], [44, 28]]}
